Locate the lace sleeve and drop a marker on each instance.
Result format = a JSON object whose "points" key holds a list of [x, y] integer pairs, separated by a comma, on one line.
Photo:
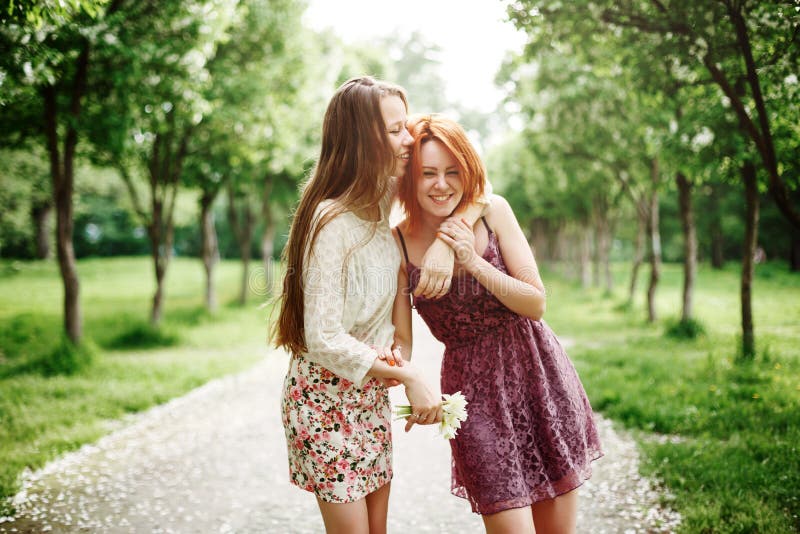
{"points": [[325, 313]]}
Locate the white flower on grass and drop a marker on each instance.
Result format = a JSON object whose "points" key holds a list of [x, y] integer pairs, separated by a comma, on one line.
{"points": [[454, 412]]}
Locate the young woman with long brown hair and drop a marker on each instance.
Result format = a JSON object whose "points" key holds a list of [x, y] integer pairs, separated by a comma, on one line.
{"points": [[336, 312]]}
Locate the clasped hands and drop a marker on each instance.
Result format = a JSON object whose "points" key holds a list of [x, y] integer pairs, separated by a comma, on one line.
{"points": [[456, 242], [426, 408]]}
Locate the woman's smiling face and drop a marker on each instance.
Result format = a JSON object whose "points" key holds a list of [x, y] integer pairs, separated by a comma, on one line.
{"points": [[393, 110], [439, 187]]}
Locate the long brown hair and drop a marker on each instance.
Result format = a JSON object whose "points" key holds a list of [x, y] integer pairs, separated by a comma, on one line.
{"points": [[354, 167], [424, 128]]}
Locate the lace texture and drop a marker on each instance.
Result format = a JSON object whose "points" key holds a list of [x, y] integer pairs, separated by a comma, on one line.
{"points": [[530, 433], [337, 419], [350, 279]]}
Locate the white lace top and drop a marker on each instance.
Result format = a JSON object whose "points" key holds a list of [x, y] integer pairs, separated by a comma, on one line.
{"points": [[350, 287]]}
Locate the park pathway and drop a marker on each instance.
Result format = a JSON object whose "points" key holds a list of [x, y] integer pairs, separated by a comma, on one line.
{"points": [[214, 461]]}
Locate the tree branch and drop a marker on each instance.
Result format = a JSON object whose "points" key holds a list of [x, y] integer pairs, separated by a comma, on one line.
{"points": [[134, 196]]}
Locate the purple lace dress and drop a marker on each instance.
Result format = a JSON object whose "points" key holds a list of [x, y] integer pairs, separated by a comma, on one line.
{"points": [[529, 433]]}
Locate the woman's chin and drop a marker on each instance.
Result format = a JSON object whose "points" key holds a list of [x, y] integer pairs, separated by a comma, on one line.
{"points": [[439, 211]]}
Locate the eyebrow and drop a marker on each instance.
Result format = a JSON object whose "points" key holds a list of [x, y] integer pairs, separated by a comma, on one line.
{"points": [[446, 168]]}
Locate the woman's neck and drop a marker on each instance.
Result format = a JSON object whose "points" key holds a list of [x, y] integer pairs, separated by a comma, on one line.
{"points": [[428, 226]]}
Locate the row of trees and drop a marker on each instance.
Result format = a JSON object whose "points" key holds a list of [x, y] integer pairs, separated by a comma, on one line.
{"points": [[668, 115], [626, 102], [170, 95], [147, 104]]}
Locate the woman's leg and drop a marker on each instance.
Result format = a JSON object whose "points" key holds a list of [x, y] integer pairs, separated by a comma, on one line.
{"points": [[378, 509], [512, 521], [364, 516], [556, 516], [344, 518]]}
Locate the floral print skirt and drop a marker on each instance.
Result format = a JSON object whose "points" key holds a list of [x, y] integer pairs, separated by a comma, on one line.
{"points": [[338, 435]]}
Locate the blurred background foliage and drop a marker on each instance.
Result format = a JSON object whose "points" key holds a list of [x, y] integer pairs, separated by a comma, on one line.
{"points": [[640, 143]]}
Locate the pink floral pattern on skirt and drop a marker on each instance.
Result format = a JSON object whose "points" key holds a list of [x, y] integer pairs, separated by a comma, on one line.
{"points": [[337, 434]]}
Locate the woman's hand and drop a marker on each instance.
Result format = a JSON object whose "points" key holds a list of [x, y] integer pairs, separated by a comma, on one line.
{"points": [[426, 408], [393, 357], [390, 355], [458, 234], [436, 271]]}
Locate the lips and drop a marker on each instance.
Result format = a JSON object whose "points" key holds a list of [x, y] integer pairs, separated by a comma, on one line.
{"points": [[441, 199]]}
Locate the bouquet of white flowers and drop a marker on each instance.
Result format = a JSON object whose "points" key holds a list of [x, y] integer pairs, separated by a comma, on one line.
{"points": [[454, 410]]}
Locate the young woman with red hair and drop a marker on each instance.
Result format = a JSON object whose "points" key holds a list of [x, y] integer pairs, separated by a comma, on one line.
{"points": [[529, 439]]}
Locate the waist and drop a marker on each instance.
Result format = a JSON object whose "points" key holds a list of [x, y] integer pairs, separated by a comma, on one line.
{"points": [[456, 339]]}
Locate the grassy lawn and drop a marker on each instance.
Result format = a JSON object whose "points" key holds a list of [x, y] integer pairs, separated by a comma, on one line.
{"points": [[44, 414], [722, 435]]}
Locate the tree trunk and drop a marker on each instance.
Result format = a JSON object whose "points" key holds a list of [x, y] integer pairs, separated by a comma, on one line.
{"points": [[209, 247], [267, 249], [244, 249], [655, 245], [157, 308], [243, 231], [764, 143], [161, 237], [596, 240], [165, 171], [638, 254], [750, 240], [538, 231], [62, 174], [717, 238], [689, 243], [40, 215], [268, 237], [609, 274], [585, 237], [558, 243], [603, 249], [794, 254]]}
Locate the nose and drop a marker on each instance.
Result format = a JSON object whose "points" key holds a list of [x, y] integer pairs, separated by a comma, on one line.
{"points": [[407, 139], [441, 183]]}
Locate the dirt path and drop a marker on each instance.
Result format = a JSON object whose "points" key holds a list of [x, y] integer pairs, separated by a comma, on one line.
{"points": [[215, 461]]}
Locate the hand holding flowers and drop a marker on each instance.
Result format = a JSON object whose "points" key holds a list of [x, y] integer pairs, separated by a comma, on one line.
{"points": [[454, 412]]}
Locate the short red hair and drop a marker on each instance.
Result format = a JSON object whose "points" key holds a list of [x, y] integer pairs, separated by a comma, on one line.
{"points": [[424, 128]]}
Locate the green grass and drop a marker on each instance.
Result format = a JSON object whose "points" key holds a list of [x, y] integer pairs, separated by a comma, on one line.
{"points": [[55, 397], [733, 464]]}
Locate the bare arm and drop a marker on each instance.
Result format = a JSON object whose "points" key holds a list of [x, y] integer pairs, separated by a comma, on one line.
{"points": [[401, 316], [436, 271], [522, 290]]}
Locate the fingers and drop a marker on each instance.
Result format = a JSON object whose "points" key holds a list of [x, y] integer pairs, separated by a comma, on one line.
{"points": [[425, 417], [392, 356], [410, 420], [398, 356], [433, 286], [442, 287], [444, 235], [422, 285]]}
